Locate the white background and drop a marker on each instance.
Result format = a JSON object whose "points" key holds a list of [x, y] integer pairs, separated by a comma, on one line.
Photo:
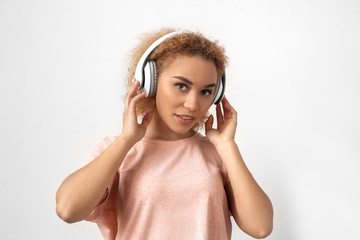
{"points": [[294, 78]]}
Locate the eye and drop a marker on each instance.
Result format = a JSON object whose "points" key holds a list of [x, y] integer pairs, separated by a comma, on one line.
{"points": [[206, 92], [181, 86]]}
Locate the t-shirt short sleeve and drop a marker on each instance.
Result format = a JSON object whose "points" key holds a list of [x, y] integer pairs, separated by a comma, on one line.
{"points": [[215, 157]]}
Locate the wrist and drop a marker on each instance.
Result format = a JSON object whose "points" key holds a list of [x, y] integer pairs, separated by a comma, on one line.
{"points": [[225, 146], [126, 140]]}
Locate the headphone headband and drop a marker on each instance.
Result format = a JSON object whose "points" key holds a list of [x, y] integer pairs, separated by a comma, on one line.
{"points": [[139, 72]]}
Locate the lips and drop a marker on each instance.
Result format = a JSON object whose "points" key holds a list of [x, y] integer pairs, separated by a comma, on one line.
{"points": [[185, 119]]}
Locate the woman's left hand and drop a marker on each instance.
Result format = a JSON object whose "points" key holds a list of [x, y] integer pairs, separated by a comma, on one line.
{"points": [[226, 124]]}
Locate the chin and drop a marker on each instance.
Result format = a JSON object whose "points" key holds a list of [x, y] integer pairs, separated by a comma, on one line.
{"points": [[183, 131], [180, 129]]}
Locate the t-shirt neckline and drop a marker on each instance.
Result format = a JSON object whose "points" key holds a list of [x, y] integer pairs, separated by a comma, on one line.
{"points": [[172, 142]]}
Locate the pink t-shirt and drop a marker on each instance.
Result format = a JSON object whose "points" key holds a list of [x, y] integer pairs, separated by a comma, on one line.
{"points": [[166, 190]]}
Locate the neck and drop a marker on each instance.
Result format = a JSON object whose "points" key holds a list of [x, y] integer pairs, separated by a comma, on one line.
{"points": [[157, 129]]}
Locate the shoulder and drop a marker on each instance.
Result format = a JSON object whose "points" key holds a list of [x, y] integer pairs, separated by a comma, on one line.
{"points": [[203, 144]]}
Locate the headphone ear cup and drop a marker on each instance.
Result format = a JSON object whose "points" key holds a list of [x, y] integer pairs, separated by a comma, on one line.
{"points": [[150, 77], [153, 83], [219, 90]]}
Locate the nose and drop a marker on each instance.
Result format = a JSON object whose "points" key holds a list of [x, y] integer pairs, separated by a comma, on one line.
{"points": [[191, 102]]}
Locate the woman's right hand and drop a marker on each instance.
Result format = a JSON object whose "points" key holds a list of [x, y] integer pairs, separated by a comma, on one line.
{"points": [[84, 189], [133, 131]]}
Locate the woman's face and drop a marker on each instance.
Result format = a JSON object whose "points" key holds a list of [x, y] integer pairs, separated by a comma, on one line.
{"points": [[184, 94]]}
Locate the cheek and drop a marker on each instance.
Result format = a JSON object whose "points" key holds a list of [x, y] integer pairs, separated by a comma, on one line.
{"points": [[206, 108], [165, 97], [206, 103]]}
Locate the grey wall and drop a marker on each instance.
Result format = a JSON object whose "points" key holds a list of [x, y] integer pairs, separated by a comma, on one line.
{"points": [[293, 78]]}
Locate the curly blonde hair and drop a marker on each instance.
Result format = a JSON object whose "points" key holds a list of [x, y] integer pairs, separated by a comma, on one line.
{"points": [[182, 44]]}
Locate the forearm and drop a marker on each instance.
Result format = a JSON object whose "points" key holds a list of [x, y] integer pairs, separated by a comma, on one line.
{"points": [[251, 207], [79, 194]]}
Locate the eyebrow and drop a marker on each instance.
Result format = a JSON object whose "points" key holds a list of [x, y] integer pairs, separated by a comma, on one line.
{"points": [[191, 83]]}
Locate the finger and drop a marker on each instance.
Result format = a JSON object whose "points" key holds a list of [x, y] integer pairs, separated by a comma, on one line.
{"points": [[135, 99], [132, 92], [219, 115], [226, 103], [229, 111], [209, 123], [146, 119]]}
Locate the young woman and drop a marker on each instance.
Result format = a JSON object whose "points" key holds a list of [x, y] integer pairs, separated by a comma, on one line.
{"points": [[160, 178]]}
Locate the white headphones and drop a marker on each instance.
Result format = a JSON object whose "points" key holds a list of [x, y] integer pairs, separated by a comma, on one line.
{"points": [[146, 73]]}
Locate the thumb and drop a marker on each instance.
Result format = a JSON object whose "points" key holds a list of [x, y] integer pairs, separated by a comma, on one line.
{"points": [[146, 119]]}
